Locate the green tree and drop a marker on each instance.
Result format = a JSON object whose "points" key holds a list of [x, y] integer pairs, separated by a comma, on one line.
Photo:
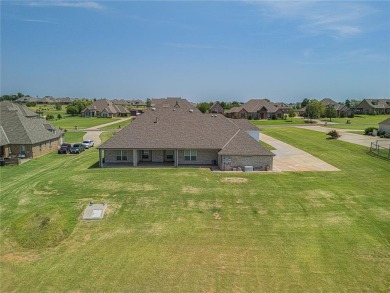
{"points": [[291, 113], [148, 102], [330, 112], [58, 107], [59, 116], [348, 103], [314, 109], [203, 107], [72, 110], [305, 102]]}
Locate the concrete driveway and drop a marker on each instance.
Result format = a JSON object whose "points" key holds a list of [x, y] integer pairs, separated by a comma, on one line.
{"points": [[289, 158], [363, 140]]}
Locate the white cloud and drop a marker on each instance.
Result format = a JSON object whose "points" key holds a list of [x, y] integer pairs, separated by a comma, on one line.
{"points": [[337, 19], [70, 4]]}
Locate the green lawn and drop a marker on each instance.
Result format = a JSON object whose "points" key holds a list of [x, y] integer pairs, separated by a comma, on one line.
{"points": [[189, 230], [360, 122], [81, 122], [279, 122], [72, 137], [118, 125]]}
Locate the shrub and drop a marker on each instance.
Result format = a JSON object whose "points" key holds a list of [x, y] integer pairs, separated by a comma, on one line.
{"points": [[352, 115], [49, 117], [59, 116], [333, 134], [369, 130], [31, 104], [273, 117], [342, 114]]}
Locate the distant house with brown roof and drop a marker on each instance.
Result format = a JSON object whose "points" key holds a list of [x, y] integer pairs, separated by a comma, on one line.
{"points": [[385, 126], [216, 108], [179, 135], [341, 109], [373, 106], [104, 108], [23, 135], [256, 109]]}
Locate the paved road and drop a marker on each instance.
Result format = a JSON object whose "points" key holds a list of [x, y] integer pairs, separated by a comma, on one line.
{"points": [[364, 140], [94, 132], [289, 158]]}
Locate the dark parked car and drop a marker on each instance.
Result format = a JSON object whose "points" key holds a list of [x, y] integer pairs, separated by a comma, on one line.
{"points": [[77, 148], [64, 148]]}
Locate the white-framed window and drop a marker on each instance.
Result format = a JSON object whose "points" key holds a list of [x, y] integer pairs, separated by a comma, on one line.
{"points": [[169, 154], [190, 155], [121, 155], [145, 155]]}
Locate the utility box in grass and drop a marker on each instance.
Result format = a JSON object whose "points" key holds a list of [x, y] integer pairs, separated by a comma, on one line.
{"points": [[248, 168]]}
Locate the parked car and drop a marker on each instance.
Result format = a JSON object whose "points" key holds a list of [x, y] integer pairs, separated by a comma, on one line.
{"points": [[77, 148], [88, 143], [64, 148]]}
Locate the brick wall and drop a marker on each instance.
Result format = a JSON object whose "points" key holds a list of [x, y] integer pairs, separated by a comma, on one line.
{"points": [[258, 162], [110, 156], [36, 150], [204, 157]]}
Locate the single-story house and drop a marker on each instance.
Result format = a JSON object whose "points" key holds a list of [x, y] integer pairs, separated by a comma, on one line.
{"points": [[385, 126], [256, 109], [104, 108], [182, 136], [24, 135], [373, 106], [216, 108], [341, 109]]}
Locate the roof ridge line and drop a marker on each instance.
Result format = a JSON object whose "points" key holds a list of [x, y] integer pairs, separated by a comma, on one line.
{"points": [[5, 133], [231, 137]]}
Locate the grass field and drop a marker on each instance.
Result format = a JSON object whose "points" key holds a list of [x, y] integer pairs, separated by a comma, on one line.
{"points": [[72, 137], [81, 122], [279, 122], [359, 122], [190, 230], [116, 125]]}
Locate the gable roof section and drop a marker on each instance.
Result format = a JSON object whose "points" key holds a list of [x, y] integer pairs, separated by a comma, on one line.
{"points": [[376, 103], [385, 122], [255, 105], [3, 137], [109, 106], [244, 124], [19, 129]]}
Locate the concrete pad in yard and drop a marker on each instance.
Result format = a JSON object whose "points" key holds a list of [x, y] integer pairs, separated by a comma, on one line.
{"points": [[289, 158], [94, 211]]}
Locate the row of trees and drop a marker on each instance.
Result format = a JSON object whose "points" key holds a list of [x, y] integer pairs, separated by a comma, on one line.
{"points": [[11, 97], [205, 106]]}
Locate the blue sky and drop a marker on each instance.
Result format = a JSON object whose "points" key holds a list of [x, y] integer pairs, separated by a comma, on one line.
{"points": [[200, 50]]}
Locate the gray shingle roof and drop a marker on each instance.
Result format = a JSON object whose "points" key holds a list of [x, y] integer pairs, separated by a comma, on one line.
{"points": [[166, 128], [385, 122], [244, 124], [109, 106], [19, 129]]}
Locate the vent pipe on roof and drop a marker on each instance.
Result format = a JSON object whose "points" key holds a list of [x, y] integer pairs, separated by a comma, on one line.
{"points": [[191, 110], [153, 109], [156, 120]]}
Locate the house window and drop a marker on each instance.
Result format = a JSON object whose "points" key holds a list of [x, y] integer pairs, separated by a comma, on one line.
{"points": [[190, 155], [121, 155], [169, 154], [145, 155], [22, 150]]}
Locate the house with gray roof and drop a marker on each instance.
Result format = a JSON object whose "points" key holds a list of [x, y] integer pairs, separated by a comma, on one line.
{"points": [[341, 109], [373, 106], [24, 135], [179, 135], [385, 126], [256, 109], [104, 108]]}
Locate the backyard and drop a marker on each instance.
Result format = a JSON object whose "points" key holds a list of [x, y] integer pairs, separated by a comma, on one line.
{"points": [[188, 229]]}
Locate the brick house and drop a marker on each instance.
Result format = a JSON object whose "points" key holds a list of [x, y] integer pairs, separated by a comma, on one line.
{"points": [[385, 126], [104, 108], [182, 136], [373, 106], [24, 135], [216, 108], [256, 109]]}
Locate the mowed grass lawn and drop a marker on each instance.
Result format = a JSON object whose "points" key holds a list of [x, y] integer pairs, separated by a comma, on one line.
{"points": [[190, 230], [359, 122], [81, 122]]}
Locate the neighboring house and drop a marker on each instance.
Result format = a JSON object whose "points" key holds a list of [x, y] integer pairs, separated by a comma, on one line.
{"points": [[104, 108], [46, 100], [256, 109], [373, 106], [24, 135], [385, 126], [216, 108], [173, 103], [65, 101], [341, 109], [283, 106], [26, 99], [181, 136], [136, 103]]}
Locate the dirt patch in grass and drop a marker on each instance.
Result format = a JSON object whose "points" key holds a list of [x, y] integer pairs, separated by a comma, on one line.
{"points": [[42, 192], [12, 257], [190, 189], [234, 180], [146, 201], [337, 219]]}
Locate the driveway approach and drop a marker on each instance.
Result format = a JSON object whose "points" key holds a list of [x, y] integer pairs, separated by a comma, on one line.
{"points": [[289, 158]]}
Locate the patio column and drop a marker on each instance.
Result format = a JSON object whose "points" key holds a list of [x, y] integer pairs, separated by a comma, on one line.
{"points": [[176, 158], [100, 158], [135, 158]]}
